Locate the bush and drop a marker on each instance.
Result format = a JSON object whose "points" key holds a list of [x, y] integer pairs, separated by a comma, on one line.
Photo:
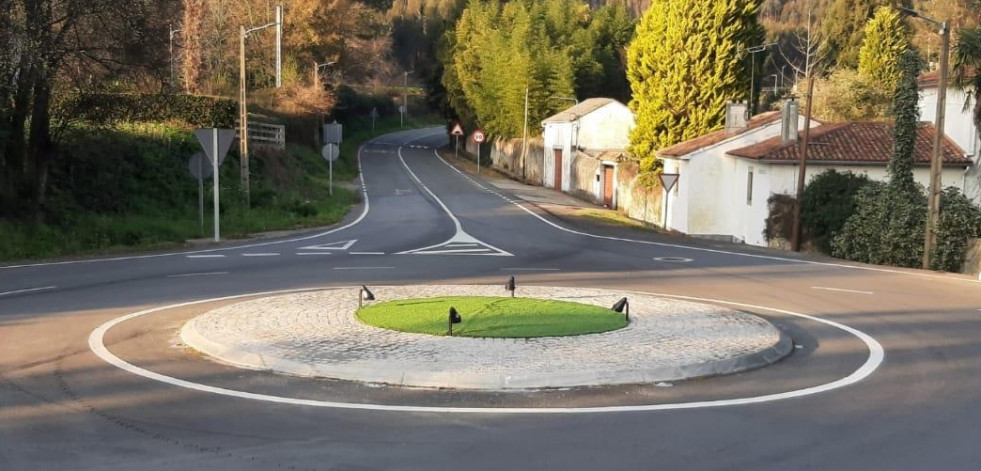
{"points": [[108, 108], [886, 229], [960, 221], [780, 222], [827, 203], [351, 104]]}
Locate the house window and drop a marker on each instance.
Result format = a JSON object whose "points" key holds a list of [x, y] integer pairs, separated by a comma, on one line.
{"points": [[749, 187]]}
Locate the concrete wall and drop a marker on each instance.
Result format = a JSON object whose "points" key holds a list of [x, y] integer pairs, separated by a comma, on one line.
{"points": [[958, 122], [583, 177], [606, 128]]}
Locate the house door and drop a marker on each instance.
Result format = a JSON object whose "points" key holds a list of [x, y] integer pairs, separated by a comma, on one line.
{"points": [[608, 186], [558, 170]]}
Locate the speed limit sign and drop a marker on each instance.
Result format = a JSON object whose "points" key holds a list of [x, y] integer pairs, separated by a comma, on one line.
{"points": [[478, 136]]}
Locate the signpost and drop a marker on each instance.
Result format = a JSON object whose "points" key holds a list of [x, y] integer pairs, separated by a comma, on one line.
{"points": [[478, 137], [333, 136], [200, 171], [668, 180], [457, 132], [216, 143], [402, 116], [374, 117]]}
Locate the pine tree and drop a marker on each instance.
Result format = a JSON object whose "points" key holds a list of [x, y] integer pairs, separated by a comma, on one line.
{"points": [[844, 27], [886, 39], [684, 65]]}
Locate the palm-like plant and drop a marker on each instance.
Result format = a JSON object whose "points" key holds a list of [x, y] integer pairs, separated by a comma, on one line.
{"points": [[967, 67]]}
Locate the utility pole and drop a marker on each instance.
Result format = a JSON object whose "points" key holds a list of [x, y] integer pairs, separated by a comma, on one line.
{"points": [[172, 33], [243, 140], [795, 235], [752, 81], [936, 161], [524, 139]]}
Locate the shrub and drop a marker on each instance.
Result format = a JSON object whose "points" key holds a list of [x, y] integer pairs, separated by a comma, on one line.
{"points": [[827, 203], [960, 220], [351, 104], [779, 223], [886, 229], [108, 108]]}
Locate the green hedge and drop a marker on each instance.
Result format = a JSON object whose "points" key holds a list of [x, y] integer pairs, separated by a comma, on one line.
{"points": [[200, 111], [827, 203]]}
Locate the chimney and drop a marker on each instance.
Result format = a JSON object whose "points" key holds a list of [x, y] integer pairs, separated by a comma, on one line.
{"points": [[790, 120], [735, 116]]}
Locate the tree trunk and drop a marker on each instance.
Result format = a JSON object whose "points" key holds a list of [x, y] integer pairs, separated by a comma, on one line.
{"points": [[39, 146]]}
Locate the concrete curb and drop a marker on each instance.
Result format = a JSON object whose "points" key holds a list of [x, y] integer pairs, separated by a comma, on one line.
{"points": [[395, 376]]}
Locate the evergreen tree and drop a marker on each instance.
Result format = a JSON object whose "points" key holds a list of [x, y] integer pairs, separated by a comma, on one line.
{"points": [[907, 112], [886, 39], [844, 27], [684, 65]]}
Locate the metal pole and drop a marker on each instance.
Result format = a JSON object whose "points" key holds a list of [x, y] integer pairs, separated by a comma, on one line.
{"points": [[243, 140], [279, 49], [478, 158], [171, 55], [214, 167], [456, 150], [752, 87], [524, 139], [330, 166], [201, 194], [405, 92], [936, 163], [667, 198], [795, 236]]}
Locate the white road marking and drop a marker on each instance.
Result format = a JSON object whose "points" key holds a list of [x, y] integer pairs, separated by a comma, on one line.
{"points": [[341, 245], [875, 358], [841, 290], [364, 268], [205, 256], [530, 269], [26, 290], [438, 251], [673, 259], [187, 275], [461, 236], [269, 254], [367, 253], [312, 253], [702, 249]]}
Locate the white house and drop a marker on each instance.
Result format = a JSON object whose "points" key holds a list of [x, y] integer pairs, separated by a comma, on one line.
{"points": [[726, 179], [958, 124], [583, 145]]}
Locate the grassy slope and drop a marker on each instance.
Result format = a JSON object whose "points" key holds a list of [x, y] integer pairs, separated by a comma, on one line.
{"points": [[128, 188], [492, 317]]}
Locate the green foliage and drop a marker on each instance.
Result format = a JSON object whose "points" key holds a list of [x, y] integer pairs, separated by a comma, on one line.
{"points": [[960, 221], [827, 203], [886, 229], [492, 317], [551, 48], [846, 95], [684, 65], [886, 39], [843, 25], [967, 67], [351, 104], [907, 112], [110, 108]]}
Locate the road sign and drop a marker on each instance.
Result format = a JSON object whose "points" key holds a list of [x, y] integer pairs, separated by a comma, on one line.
{"points": [[199, 167], [374, 113], [207, 139], [330, 152], [333, 133], [402, 109], [457, 130], [479, 136], [668, 180]]}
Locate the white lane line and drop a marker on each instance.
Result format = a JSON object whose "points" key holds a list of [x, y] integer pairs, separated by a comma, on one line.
{"points": [[312, 253], [461, 236], [367, 253], [364, 268], [874, 360], [450, 252], [26, 290], [530, 269], [702, 249], [188, 275], [269, 254], [205, 256], [824, 288]]}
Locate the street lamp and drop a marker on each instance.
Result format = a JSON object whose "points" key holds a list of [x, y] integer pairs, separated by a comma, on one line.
{"points": [[243, 138], [752, 81], [936, 162], [172, 33]]}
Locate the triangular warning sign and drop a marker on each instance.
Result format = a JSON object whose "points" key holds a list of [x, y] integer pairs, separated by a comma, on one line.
{"points": [[457, 130], [342, 245], [209, 137], [668, 180]]}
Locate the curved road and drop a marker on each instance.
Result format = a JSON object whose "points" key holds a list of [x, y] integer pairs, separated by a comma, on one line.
{"points": [[63, 407]]}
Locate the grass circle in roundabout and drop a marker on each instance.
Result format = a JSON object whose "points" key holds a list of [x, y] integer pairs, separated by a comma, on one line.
{"points": [[492, 317]]}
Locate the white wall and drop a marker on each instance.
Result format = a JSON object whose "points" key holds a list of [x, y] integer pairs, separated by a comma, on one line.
{"points": [[606, 128], [958, 122], [558, 135]]}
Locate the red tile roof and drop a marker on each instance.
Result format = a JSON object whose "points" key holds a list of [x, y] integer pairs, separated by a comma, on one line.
{"points": [[852, 143], [715, 137], [932, 78]]}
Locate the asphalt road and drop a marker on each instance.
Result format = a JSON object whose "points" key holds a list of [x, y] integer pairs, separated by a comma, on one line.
{"points": [[62, 407]]}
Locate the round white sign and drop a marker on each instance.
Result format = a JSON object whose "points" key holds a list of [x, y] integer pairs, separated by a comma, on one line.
{"points": [[330, 152], [478, 136]]}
